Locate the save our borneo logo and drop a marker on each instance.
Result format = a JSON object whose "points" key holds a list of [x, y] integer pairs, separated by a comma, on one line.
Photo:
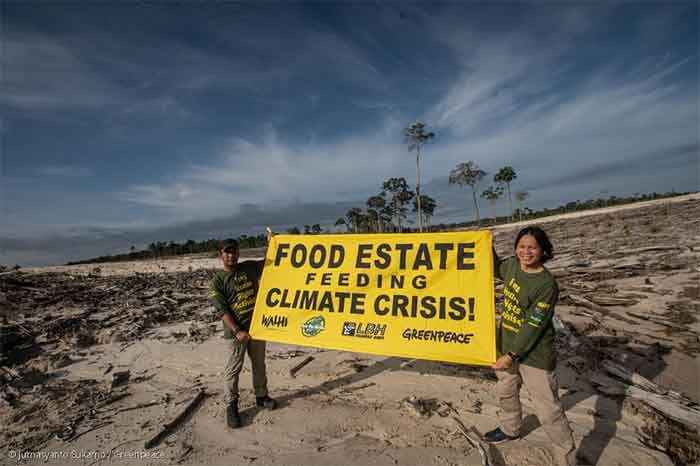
{"points": [[313, 326]]}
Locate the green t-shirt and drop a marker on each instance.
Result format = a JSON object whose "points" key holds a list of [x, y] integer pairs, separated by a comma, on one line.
{"points": [[526, 325], [234, 293]]}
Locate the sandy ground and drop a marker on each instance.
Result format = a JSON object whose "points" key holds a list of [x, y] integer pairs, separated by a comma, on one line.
{"points": [[347, 408]]}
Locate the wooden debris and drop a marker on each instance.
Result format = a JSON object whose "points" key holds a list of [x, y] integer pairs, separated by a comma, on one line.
{"points": [[120, 378], [293, 371], [170, 427], [415, 406], [612, 301], [628, 252], [666, 406], [187, 450], [139, 406], [657, 320], [474, 442], [80, 434]]}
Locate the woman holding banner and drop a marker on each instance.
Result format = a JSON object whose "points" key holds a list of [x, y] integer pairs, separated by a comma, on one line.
{"points": [[525, 343]]}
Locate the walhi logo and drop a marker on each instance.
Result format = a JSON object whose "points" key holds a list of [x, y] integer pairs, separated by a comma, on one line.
{"points": [[274, 321]]}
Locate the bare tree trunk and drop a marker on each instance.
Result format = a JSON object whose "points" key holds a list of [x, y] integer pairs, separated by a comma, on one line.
{"points": [[476, 205], [510, 203]]}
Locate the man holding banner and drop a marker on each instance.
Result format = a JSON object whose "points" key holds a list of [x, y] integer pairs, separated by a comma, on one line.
{"points": [[233, 292]]}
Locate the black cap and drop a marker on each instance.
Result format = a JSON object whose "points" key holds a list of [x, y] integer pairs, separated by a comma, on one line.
{"points": [[229, 243]]}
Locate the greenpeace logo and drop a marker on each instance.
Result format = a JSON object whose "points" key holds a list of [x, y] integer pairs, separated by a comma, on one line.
{"points": [[274, 321], [364, 330], [414, 334]]}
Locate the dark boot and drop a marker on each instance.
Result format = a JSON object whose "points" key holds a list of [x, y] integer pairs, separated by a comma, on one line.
{"points": [[233, 419], [265, 402]]}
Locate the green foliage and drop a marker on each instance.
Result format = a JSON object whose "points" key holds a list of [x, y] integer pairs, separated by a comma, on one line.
{"points": [[470, 174], [416, 136], [400, 196], [426, 206], [505, 176]]}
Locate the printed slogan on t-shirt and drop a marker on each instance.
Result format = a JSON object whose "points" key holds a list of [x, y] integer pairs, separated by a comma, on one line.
{"points": [[425, 296]]}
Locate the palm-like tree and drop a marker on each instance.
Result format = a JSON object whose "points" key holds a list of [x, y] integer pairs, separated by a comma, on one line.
{"points": [[492, 193], [425, 205], [353, 217], [372, 220], [521, 196], [416, 136], [341, 221], [505, 176], [470, 174], [400, 195], [376, 204]]}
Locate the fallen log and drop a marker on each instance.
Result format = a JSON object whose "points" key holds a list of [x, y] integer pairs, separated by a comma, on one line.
{"points": [[170, 427], [613, 301], [583, 302], [670, 408], [658, 321], [648, 249]]}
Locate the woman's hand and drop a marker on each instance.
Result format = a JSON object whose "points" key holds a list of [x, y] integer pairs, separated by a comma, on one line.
{"points": [[503, 363]]}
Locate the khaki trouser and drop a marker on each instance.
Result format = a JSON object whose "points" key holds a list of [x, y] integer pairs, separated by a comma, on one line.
{"points": [[256, 353], [543, 388]]}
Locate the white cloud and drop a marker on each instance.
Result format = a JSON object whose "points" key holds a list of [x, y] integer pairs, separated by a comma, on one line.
{"points": [[271, 171]]}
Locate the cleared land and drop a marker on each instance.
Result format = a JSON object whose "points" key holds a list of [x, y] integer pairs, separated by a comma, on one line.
{"points": [[628, 368]]}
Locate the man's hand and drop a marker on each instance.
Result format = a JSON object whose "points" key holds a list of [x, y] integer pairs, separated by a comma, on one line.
{"points": [[504, 362], [242, 336], [270, 234]]}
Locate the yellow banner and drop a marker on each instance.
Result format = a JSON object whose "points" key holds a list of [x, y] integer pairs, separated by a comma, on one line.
{"points": [[426, 296]]}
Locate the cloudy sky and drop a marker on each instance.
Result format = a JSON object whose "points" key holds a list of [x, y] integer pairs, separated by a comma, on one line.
{"points": [[127, 123]]}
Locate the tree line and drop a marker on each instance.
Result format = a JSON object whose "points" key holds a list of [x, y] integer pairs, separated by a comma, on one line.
{"points": [[388, 210], [160, 249]]}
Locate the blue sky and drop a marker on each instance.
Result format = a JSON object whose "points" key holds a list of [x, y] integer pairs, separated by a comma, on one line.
{"points": [[127, 123]]}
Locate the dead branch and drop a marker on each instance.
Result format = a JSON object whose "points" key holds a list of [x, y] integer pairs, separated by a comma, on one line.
{"points": [[293, 371], [476, 443], [138, 406], [98, 426], [170, 427]]}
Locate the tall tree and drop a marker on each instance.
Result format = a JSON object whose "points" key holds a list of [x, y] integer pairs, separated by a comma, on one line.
{"points": [[505, 176], [353, 218], [400, 195], [341, 221], [372, 220], [426, 208], [521, 196], [416, 136], [470, 174], [492, 193], [377, 203]]}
